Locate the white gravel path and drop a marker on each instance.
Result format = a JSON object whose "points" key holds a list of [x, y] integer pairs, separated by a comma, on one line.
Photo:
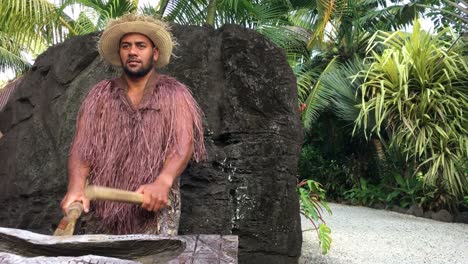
{"points": [[365, 235]]}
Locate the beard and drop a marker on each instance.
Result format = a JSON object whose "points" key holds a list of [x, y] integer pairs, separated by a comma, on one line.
{"points": [[138, 73]]}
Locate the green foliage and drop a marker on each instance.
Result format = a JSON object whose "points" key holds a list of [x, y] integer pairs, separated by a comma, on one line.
{"points": [[391, 188], [366, 193], [30, 26], [249, 14], [464, 202], [313, 203], [96, 13], [435, 199], [314, 95], [447, 13], [349, 25], [313, 165], [416, 91], [11, 56], [344, 89], [325, 237], [84, 24], [408, 191], [26, 26]]}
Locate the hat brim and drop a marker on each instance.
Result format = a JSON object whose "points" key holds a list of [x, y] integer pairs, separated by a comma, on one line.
{"points": [[110, 41]]}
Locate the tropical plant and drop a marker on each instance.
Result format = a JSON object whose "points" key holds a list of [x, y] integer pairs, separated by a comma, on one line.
{"points": [[350, 24], [366, 193], [315, 97], [314, 165], [313, 203], [415, 91], [464, 202], [96, 13], [30, 26], [344, 89], [408, 191], [447, 13], [219, 13], [27, 26]]}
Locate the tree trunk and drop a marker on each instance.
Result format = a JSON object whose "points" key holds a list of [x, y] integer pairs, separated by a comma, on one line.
{"points": [[210, 17], [379, 149]]}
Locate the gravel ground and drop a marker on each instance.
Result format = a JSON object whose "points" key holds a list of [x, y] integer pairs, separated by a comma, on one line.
{"points": [[365, 235]]}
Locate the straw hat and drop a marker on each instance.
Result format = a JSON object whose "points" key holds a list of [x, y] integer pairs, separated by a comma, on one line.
{"points": [[155, 30]]}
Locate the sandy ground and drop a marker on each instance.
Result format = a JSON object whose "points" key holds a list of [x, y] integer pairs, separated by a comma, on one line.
{"points": [[365, 235]]}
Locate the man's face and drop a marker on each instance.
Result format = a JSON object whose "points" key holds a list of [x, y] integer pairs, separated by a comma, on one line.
{"points": [[137, 54]]}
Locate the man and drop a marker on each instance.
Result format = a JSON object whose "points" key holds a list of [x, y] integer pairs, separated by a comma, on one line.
{"points": [[136, 132]]}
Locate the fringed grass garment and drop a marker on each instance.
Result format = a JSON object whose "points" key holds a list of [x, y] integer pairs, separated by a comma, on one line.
{"points": [[126, 146]]}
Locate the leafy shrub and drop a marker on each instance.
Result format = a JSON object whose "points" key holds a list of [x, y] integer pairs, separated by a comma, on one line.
{"points": [[312, 165], [408, 191], [464, 202], [415, 92], [366, 194], [313, 203]]}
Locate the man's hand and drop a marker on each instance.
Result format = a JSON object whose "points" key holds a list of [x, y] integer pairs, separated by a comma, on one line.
{"points": [[155, 195], [74, 196]]}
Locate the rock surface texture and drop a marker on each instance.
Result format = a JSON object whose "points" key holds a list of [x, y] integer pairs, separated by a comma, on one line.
{"points": [[252, 131]]}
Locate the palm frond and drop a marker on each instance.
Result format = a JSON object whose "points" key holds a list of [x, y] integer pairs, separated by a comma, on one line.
{"points": [[191, 12], [84, 23], [391, 18], [35, 20], [304, 18], [318, 98], [345, 87], [287, 38], [11, 57], [106, 9], [27, 26], [150, 11], [325, 9]]}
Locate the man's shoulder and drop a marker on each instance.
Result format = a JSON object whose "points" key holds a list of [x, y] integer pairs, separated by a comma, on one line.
{"points": [[171, 83], [105, 85], [102, 89]]}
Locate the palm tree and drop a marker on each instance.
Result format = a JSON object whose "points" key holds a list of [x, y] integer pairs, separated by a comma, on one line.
{"points": [[96, 13], [351, 23], [447, 13], [30, 26], [27, 26]]}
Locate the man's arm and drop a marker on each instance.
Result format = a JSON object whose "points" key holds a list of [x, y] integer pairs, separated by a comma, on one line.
{"points": [[186, 137], [78, 172], [155, 195]]}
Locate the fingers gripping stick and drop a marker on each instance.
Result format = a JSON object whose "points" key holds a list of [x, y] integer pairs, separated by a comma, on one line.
{"points": [[66, 226]]}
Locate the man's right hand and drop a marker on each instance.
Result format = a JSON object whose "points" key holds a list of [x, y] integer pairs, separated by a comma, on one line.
{"points": [[74, 196]]}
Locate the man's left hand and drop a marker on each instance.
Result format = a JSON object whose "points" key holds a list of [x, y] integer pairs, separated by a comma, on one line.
{"points": [[155, 195]]}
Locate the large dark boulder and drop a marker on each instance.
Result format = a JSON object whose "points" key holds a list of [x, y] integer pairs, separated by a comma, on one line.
{"points": [[252, 130]]}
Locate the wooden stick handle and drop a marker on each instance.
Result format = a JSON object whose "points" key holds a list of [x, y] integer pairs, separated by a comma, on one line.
{"points": [[66, 227], [110, 194], [75, 210]]}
